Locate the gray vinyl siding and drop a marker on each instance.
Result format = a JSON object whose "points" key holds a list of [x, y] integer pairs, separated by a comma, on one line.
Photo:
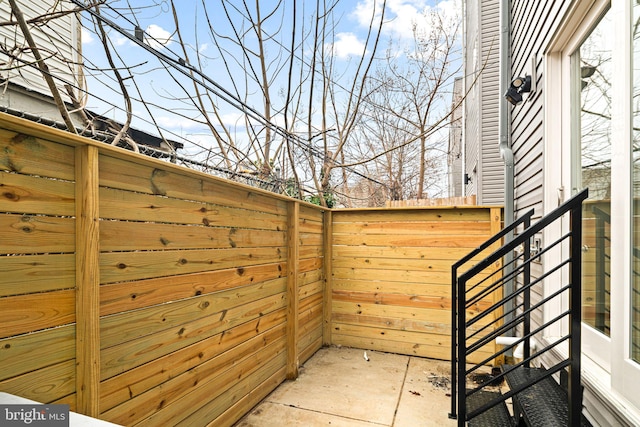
{"points": [[473, 82], [533, 23], [491, 166], [57, 39], [482, 161]]}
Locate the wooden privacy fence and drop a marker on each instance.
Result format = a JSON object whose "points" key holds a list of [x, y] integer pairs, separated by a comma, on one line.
{"points": [[391, 282], [143, 293], [147, 294]]}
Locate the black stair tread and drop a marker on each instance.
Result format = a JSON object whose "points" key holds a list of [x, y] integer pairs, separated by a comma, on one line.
{"points": [[542, 404], [498, 416]]}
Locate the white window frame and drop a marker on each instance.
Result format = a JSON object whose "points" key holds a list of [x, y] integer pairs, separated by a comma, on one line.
{"points": [[606, 360]]}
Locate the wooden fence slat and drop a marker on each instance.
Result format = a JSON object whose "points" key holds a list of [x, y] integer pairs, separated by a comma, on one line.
{"points": [[36, 234], [88, 282], [23, 194], [27, 154], [127, 296], [293, 297], [37, 273], [32, 312], [124, 266]]}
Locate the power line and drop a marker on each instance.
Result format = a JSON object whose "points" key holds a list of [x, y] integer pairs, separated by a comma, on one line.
{"points": [[182, 66]]}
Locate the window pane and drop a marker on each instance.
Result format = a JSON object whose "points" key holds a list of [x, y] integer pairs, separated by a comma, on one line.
{"points": [[591, 70], [635, 256]]}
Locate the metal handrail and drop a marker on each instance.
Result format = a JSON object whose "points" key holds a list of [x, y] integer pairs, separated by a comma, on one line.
{"points": [[523, 220], [459, 348]]}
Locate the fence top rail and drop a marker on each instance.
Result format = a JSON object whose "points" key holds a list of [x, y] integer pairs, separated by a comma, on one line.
{"points": [[38, 130], [574, 202], [494, 238]]}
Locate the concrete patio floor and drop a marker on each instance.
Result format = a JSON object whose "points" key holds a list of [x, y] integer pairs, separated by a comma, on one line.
{"points": [[338, 387]]}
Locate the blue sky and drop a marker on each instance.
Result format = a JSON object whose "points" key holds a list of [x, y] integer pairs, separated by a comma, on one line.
{"points": [[155, 17]]}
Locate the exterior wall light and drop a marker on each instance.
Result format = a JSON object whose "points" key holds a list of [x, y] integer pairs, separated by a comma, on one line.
{"points": [[518, 86]]}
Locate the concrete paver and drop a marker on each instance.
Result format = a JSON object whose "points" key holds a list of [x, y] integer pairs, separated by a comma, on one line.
{"points": [[338, 387]]}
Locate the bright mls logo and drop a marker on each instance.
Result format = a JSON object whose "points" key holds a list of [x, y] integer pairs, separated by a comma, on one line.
{"points": [[34, 415]]}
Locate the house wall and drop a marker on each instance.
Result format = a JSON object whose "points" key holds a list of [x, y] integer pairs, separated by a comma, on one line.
{"points": [[473, 81], [482, 155], [491, 170], [59, 42]]}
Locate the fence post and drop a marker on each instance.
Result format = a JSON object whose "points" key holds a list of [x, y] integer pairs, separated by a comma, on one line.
{"points": [[87, 282], [328, 275], [293, 297]]}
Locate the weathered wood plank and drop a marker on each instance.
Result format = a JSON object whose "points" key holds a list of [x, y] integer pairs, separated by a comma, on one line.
{"points": [[127, 266], [391, 275], [415, 228], [138, 380], [87, 235], [249, 400], [433, 290], [36, 273], [403, 300], [441, 213], [23, 353], [293, 296], [310, 264], [27, 313], [451, 240], [126, 205], [400, 312], [310, 276], [43, 385], [121, 358], [23, 234], [25, 194], [213, 397], [255, 375], [310, 287], [414, 265], [451, 254], [217, 369], [130, 325], [327, 272], [398, 323], [167, 181], [126, 296], [401, 342], [29, 155], [117, 236]]}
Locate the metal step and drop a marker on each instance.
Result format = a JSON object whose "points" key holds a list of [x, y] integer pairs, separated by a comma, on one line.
{"points": [[542, 404], [498, 416]]}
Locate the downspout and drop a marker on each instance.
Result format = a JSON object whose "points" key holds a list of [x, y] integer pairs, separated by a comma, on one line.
{"points": [[463, 124], [506, 152]]}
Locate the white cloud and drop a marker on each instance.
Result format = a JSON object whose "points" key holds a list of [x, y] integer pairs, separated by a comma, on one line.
{"points": [[203, 47], [402, 16], [87, 36], [158, 37], [120, 40], [347, 44]]}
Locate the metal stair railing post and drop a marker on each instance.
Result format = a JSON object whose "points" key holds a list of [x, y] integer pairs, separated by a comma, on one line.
{"points": [[526, 282], [460, 352], [525, 218], [575, 323], [462, 357]]}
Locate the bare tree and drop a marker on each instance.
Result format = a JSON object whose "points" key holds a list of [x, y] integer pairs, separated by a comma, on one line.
{"points": [[301, 112], [408, 105]]}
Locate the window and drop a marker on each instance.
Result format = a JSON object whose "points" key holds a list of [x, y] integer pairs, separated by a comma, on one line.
{"points": [[635, 149], [591, 76]]}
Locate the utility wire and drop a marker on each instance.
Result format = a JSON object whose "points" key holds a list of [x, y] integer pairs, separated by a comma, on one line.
{"points": [[185, 68]]}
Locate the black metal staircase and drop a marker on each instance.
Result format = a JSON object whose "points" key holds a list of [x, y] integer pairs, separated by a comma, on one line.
{"points": [[537, 397]]}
